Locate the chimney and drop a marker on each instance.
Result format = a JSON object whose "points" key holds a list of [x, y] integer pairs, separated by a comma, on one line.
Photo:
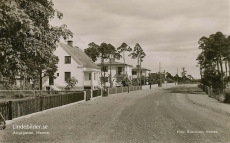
{"points": [[70, 43]]}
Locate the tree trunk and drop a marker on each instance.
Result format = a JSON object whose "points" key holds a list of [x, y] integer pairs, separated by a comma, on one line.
{"points": [[20, 80], [222, 73], [140, 75], [226, 67], [110, 73], [104, 72], [40, 79], [124, 63], [218, 68], [101, 71], [138, 70], [201, 72]]}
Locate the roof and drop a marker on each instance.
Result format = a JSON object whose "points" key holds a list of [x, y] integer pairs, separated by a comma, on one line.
{"points": [[114, 63], [135, 68], [79, 56]]}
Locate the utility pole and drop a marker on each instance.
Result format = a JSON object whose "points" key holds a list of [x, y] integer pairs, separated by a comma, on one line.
{"points": [[159, 75], [177, 76]]}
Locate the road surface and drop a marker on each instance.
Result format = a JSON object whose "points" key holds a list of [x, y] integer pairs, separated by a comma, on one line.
{"points": [[154, 115]]}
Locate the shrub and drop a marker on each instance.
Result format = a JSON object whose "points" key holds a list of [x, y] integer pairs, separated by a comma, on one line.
{"points": [[227, 97]]}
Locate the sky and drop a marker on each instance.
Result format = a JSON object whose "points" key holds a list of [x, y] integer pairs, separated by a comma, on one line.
{"points": [[167, 30]]}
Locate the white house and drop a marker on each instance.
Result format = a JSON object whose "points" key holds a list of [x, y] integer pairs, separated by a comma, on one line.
{"points": [[73, 62], [144, 72], [117, 68]]}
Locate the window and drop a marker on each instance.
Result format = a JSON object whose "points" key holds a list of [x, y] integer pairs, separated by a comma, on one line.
{"points": [[89, 76], [134, 72], [67, 75], [57, 74], [67, 59], [95, 78], [119, 70], [51, 80], [104, 69]]}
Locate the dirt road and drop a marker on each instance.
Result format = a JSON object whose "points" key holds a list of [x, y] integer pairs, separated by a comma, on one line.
{"points": [[154, 115]]}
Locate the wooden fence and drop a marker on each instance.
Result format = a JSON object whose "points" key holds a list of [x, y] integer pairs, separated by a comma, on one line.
{"points": [[21, 107], [115, 90], [97, 93], [17, 108], [88, 94]]}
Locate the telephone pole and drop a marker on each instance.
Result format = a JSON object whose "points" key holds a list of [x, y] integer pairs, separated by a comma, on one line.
{"points": [[159, 75], [177, 76]]}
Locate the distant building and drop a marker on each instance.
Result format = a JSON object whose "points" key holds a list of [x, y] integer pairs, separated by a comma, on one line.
{"points": [[117, 68], [155, 77], [144, 72], [73, 62]]}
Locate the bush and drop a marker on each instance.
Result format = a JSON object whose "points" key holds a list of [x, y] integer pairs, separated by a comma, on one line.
{"points": [[227, 97], [18, 95]]}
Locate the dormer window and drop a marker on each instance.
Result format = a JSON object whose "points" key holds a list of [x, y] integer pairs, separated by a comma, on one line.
{"points": [[67, 59]]}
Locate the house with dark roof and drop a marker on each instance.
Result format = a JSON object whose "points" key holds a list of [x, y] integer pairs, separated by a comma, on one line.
{"points": [[144, 72], [117, 68], [73, 62]]}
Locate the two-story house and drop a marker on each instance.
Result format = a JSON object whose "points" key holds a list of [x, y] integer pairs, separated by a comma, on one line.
{"points": [[73, 62], [117, 68], [143, 72]]}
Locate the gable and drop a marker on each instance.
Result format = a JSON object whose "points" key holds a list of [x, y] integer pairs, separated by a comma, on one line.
{"points": [[79, 56], [61, 53]]}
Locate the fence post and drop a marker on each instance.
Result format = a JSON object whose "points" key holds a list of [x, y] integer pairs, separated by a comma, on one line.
{"points": [[108, 91], [210, 91], [84, 95], [101, 92], [116, 90], [61, 99], [128, 89], [41, 103], [121, 89], [91, 94], [10, 115]]}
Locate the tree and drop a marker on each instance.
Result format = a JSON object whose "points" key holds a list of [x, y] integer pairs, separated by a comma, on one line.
{"points": [[71, 82], [104, 51], [169, 77], [139, 54], [122, 49], [92, 51], [27, 40], [115, 55], [215, 50], [183, 73], [190, 77]]}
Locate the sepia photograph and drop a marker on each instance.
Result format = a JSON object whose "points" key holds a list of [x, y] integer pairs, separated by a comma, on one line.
{"points": [[114, 71]]}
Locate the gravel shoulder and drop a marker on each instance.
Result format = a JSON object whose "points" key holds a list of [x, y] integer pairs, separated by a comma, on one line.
{"points": [[209, 103]]}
